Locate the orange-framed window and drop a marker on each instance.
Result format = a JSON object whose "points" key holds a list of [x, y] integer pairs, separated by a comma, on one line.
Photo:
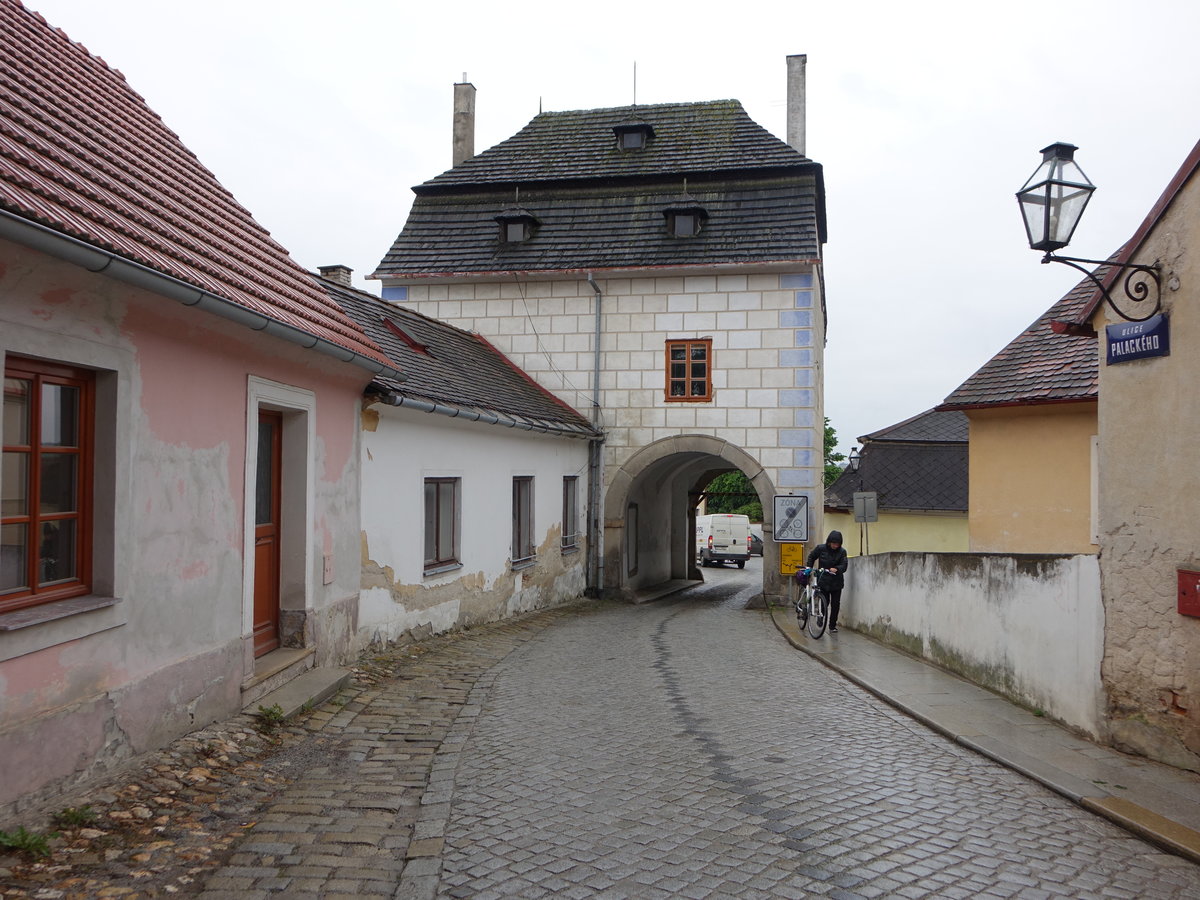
{"points": [[689, 370], [45, 483]]}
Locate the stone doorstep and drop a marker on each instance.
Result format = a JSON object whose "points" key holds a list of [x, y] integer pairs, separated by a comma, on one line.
{"points": [[310, 689]]}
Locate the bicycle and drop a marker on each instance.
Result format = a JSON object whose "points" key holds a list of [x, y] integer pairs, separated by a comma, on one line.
{"points": [[812, 606]]}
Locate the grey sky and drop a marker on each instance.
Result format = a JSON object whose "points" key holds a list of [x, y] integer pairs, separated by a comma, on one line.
{"points": [[927, 117]]}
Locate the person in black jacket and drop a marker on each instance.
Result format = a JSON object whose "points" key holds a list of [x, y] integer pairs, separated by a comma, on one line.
{"points": [[831, 556]]}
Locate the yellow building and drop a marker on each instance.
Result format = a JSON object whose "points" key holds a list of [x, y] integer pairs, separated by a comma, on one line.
{"points": [[1032, 414], [917, 470]]}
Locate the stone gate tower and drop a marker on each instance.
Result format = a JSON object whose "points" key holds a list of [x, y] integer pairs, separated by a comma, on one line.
{"points": [[658, 268]]}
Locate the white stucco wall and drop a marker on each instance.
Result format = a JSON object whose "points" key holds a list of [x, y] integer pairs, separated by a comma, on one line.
{"points": [[1028, 627], [401, 448]]}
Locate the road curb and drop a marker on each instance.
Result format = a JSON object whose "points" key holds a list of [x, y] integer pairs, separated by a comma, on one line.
{"points": [[1146, 824]]}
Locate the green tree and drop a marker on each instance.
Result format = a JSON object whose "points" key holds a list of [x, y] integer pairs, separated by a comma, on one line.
{"points": [[735, 495], [832, 457]]}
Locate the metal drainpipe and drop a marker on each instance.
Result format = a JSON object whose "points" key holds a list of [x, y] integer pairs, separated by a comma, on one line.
{"points": [[595, 462]]}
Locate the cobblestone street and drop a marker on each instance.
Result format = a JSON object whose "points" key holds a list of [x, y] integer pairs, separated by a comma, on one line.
{"points": [[675, 749]]}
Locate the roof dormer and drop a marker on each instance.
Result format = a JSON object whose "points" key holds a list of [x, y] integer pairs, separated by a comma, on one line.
{"points": [[517, 224], [633, 134], [685, 216]]}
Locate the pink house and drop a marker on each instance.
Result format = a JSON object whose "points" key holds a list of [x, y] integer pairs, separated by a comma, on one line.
{"points": [[179, 491]]}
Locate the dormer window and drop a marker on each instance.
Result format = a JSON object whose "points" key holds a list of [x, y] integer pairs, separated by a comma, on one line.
{"points": [[516, 225], [633, 135], [685, 218]]}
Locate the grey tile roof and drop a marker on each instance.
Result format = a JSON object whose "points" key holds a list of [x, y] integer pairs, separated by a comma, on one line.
{"points": [[599, 207], [931, 425], [1039, 365], [919, 464], [689, 139], [449, 366]]}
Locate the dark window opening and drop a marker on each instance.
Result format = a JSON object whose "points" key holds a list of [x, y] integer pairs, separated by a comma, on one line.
{"points": [[522, 510], [570, 514], [441, 522]]}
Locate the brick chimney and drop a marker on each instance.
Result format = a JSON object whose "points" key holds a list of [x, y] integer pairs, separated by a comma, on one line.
{"points": [[464, 120], [337, 274], [795, 101]]}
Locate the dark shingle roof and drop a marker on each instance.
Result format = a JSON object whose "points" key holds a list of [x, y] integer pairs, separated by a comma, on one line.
{"points": [[929, 426], [689, 138], [82, 154], [599, 207], [1039, 365], [917, 464], [446, 365], [587, 229]]}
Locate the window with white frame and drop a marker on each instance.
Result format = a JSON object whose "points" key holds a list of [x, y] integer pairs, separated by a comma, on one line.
{"points": [[522, 513], [441, 522], [570, 512]]}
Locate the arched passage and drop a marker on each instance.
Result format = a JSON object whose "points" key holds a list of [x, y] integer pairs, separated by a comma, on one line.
{"points": [[649, 515]]}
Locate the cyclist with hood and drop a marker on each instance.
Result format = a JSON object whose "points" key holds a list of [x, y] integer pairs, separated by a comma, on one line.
{"points": [[830, 556]]}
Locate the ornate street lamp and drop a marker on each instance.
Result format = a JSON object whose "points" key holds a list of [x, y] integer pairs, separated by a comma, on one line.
{"points": [[853, 460], [1052, 202], [1054, 198]]}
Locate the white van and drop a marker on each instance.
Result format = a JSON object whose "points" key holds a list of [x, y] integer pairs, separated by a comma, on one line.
{"points": [[723, 537]]}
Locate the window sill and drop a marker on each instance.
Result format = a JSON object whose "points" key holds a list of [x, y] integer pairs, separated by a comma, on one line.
{"points": [[443, 569], [528, 563], [570, 551], [48, 612], [38, 627]]}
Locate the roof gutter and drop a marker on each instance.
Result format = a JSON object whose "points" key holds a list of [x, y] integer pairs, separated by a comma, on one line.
{"points": [[488, 417], [94, 259]]}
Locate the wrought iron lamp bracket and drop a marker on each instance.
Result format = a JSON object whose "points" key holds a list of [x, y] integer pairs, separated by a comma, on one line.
{"points": [[1135, 284]]}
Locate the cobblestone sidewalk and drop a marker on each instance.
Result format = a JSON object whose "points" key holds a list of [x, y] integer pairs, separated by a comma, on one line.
{"points": [[229, 811]]}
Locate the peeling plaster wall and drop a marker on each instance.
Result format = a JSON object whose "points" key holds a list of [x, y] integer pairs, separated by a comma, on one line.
{"points": [[99, 687], [1028, 627], [1149, 527], [401, 448]]}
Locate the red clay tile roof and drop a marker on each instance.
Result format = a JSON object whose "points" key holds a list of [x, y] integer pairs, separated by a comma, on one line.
{"points": [[82, 154], [1038, 366]]}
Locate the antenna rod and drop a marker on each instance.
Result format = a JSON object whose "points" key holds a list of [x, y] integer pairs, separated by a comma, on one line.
{"points": [[635, 82]]}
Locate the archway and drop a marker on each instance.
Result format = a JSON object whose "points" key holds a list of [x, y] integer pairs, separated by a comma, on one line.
{"points": [[650, 520]]}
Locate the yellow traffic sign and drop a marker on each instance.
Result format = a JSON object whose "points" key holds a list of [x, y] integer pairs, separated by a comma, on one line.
{"points": [[791, 558]]}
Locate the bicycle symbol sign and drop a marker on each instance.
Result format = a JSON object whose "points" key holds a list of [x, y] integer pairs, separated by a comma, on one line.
{"points": [[791, 518]]}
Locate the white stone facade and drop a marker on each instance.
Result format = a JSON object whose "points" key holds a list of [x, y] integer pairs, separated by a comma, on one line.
{"points": [[767, 331]]}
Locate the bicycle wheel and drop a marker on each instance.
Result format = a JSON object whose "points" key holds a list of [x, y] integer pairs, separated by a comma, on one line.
{"points": [[820, 615], [800, 601]]}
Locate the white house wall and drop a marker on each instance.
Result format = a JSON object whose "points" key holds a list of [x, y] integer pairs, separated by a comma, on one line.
{"points": [[401, 448]]}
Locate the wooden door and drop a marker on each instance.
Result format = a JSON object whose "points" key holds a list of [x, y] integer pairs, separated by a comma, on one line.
{"points": [[266, 532]]}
